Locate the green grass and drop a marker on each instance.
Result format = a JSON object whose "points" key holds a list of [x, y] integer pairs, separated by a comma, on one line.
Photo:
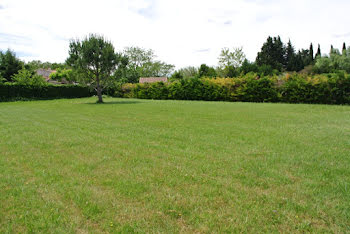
{"points": [[145, 166]]}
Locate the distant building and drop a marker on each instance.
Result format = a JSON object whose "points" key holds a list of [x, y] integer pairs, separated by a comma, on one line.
{"points": [[45, 73], [153, 79]]}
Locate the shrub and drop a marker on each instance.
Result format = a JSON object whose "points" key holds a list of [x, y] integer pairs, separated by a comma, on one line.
{"points": [[26, 77]]}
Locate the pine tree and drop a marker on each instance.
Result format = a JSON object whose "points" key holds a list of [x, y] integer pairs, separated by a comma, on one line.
{"points": [[280, 51], [290, 57], [272, 53]]}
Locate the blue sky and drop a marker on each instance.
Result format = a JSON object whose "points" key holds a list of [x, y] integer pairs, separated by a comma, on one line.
{"points": [[181, 32]]}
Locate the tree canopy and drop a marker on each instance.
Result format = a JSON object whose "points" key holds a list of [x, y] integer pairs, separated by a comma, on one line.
{"points": [[9, 65], [95, 58], [143, 63], [234, 57]]}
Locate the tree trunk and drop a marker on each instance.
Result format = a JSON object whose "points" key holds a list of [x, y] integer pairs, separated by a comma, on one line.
{"points": [[99, 91], [99, 95]]}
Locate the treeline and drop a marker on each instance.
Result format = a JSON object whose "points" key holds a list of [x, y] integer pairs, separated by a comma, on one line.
{"points": [[274, 63], [135, 63], [274, 58]]}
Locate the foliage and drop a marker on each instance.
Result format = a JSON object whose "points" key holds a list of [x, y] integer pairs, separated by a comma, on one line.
{"points": [[26, 77], [177, 75], [272, 53], [292, 88], [66, 75], [205, 70], [344, 51], [260, 90], [186, 72], [327, 89], [228, 71], [318, 53], [94, 58], [36, 64], [233, 58], [333, 63], [283, 57], [248, 67], [9, 64], [19, 91], [2, 80], [142, 63], [322, 65]]}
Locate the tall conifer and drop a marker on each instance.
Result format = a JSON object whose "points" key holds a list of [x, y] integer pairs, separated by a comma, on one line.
{"points": [[318, 53], [311, 52]]}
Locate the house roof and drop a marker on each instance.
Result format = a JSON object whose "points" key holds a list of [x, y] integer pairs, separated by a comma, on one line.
{"points": [[45, 72], [153, 79]]}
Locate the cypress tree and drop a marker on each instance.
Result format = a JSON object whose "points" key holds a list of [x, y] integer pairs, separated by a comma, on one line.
{"points": [[332, 50], [318, 53], [344, 49], [311, 53]]}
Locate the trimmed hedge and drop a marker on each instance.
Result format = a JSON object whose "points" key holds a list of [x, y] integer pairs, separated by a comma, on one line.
{"points": [[12, 91], [291, 88]]}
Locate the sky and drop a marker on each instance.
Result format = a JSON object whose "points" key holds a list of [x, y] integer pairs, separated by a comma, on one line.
{"points": [[181, 32]]}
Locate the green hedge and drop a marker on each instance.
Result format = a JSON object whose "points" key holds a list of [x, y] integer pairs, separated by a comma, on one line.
{"points": [[291, 88], [12, 91]]}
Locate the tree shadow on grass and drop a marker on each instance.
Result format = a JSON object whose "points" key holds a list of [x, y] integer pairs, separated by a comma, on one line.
{"points": [[113, 103]]}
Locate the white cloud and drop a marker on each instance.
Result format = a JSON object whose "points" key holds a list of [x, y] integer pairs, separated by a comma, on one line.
{"points": [[182, 32]]}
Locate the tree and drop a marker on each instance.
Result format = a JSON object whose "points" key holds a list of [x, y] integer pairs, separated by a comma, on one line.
{"points": [[185, 73], [332, 50], [36, 64], [95, 58], [248, 67], [189, 72], [177, 75], [272, 53], [233, 58], [311, 53], [207, 71], [318, 53], [305, 56], [65, 75], [9, 64], [142, 63], [290, 57], [344, 49], [333, 63]]}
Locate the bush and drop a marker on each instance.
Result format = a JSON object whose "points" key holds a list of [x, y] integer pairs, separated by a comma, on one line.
{"points": [[26, 77]]}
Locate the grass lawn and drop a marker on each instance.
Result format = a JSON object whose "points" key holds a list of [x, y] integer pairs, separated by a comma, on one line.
{"points": [[173, 166]]}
